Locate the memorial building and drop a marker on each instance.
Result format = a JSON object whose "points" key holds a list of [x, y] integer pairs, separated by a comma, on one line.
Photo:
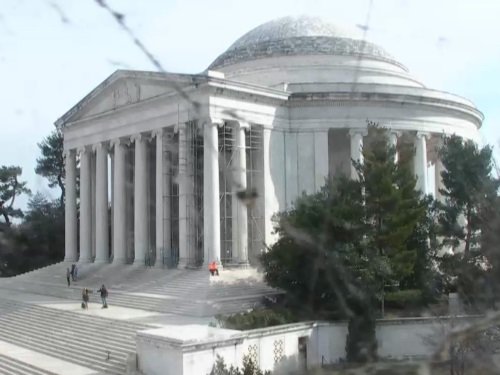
{"points": [[182, 169]]}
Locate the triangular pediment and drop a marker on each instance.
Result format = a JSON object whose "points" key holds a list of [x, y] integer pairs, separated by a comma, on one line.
{"points": [[124, 88]]}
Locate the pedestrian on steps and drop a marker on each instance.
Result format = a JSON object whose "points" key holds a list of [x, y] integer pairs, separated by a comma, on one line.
{"points": [[212, 268], [73, 272], [104, 295], [68, 274], [85, 298]]}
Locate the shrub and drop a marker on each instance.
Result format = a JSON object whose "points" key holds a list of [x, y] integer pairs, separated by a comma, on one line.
{"points": [[404, 298], [249, 368], [256, 319]]}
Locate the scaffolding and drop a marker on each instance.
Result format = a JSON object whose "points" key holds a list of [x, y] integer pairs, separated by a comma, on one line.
{"points": [[255, 182], [226, 186], [193, 169]]}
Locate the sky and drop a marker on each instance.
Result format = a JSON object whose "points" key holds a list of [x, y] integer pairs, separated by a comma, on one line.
{"points": [[54, 52]]}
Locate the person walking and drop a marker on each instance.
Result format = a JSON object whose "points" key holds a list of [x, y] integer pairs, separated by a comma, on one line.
{"points": [[104, 295], [85, 298], [68, 275], [73, 272]]}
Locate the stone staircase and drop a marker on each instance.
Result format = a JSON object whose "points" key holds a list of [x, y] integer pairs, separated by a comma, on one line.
{"points": [[10, 366], [97, 343], [183, 292]]}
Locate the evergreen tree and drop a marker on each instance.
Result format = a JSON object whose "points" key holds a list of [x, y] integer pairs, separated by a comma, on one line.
{"points": [[468, 189], [393, 208], [51, 164], [10, 188], [469, 220]]}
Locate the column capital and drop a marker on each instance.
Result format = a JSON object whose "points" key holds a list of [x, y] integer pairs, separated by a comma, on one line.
{"points": [[243, 124], [69, 153], [157, 133], [117, 142], [421, 135], [213, 121], [179, 126], [362, 132], [99, 146], [137, 137], [396, 133], [82, 149]]}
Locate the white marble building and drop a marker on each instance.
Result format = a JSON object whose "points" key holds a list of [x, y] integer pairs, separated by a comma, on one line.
{"points": [[162, 156]]}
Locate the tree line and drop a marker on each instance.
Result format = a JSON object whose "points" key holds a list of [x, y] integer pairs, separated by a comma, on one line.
{"points": [[34, 237]]}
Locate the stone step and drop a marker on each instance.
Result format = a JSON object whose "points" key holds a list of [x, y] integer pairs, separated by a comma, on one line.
{"points": [[46, 330], [78, 320], [67, 345], [43, 326], [80, 358], [10, 365]]}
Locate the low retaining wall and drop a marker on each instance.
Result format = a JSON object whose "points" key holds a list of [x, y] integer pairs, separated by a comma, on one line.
{"points": [[192, 349]]}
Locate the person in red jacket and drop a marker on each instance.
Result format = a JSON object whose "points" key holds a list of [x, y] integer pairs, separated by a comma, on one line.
{"points": [[212, 267]]}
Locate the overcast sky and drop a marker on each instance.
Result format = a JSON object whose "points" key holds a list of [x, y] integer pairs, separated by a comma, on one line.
{"points": [[53, 52]]}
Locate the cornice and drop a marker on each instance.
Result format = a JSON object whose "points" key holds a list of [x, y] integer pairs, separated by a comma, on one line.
{"points": [[377, 99]]}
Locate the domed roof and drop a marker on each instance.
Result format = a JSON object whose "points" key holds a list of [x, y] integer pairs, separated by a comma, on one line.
{"points": [[298, 36]]}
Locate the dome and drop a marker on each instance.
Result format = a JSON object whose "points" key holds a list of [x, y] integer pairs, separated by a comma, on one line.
{"points": [[304, 35]]}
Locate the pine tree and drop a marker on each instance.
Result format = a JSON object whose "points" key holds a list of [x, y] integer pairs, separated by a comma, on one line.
{"points": [[51, 164], [468, 188], [469, 221], [393, 208]]}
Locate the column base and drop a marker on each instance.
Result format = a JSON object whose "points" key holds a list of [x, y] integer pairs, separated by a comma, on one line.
{"points": [[70, 260], [238, 265], [182, 264], [159, 263], [140, 262], [119, 261], [88, 260], [101, 261]]}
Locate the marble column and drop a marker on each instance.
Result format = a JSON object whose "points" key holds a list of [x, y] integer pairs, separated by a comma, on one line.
{"points": [[211, 204], [420, 161], [183, 196], [356, 136], [239, 222], [321, 153], [70, 213], [140, 200], [102, 217], [393, 141], [167, 196], [85, 207], [119, 204], [271, 202], [159, 198], [438, 179]]}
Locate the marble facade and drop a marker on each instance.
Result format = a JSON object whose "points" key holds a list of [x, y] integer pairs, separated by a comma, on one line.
{"points": [[165, 159]]}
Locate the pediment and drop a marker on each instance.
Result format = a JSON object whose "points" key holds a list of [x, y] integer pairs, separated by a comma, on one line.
{"points": [[122, 89]]}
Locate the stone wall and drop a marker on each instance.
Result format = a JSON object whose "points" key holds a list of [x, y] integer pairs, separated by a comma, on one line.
{"points": [[281, 348]]}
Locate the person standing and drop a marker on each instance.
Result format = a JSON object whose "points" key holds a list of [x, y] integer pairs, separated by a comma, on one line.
{"points": [[85, 298], [104, 295], [73, 272], [68, 275]]}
